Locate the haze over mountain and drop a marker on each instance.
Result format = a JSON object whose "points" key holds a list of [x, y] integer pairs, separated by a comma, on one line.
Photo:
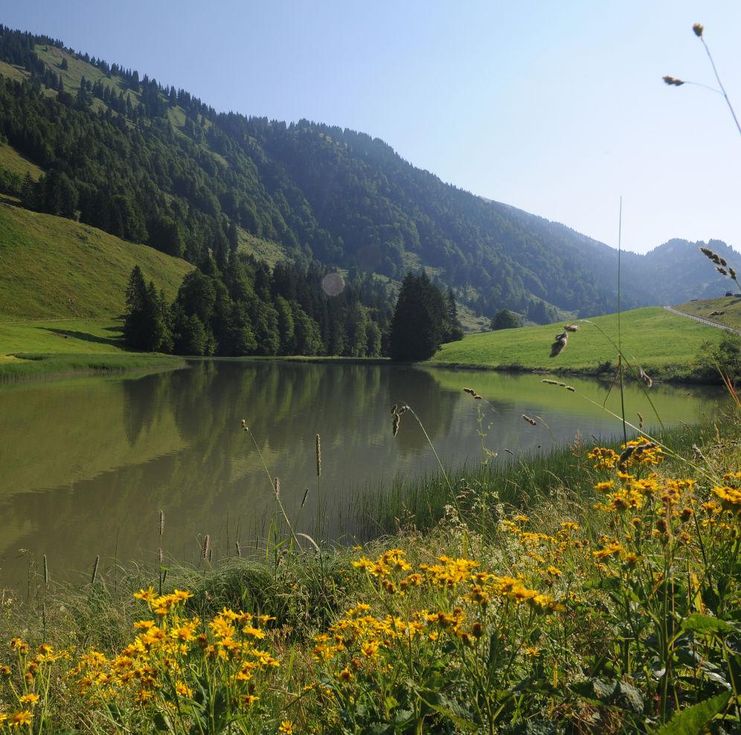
{"points": [[81, 138]]}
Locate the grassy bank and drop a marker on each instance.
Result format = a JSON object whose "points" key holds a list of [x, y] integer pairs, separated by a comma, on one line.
{"points": [[63, 347], [62, 289], [31, 366], [557, 595], [663, 344]]}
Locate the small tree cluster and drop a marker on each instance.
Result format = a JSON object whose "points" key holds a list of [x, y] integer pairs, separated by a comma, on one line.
{"points": [[146, 325], [505, 319], [424, 318]]}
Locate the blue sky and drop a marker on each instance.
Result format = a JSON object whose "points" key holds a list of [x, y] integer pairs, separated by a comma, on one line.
{"points": [[554, 107]]}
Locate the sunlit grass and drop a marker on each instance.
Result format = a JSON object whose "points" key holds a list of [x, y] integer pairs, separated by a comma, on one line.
{"points": [[51, 267], [725, 310], [651, 337]]}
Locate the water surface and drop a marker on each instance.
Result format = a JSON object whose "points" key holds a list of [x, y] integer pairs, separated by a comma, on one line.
{"points": [[87, 464]]}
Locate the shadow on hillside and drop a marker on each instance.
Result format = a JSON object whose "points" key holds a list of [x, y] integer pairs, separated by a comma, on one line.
{"points": [[86, 336]]}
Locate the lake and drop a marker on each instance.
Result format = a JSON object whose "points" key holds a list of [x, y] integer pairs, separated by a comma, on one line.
{"points": [[87, 464]]}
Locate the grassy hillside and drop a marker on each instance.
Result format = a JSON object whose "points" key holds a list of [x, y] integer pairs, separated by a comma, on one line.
{"points": [[60, 336], [52, 267], [651, 337], [16, 73], [725, 310], [12, 161]]}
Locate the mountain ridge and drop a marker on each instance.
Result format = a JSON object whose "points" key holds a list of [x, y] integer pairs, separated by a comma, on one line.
{"points": [[153, 164]]}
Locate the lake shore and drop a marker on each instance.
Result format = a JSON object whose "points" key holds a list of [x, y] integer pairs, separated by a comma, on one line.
{"points": [[546, 528], [23, 367], [667, 347]]}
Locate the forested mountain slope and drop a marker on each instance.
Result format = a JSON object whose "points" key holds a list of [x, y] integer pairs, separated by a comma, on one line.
{"points": [[152, 164]]}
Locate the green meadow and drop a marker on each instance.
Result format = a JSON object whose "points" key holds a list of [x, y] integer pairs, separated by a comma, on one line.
{"points": [[62, 293], [651, 337]]}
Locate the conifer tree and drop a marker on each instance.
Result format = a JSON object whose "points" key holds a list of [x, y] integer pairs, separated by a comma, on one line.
{"points": [[416, 324]]}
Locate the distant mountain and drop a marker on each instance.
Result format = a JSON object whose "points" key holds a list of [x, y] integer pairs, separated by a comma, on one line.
{"points": [[676, 272], [153, 164]]}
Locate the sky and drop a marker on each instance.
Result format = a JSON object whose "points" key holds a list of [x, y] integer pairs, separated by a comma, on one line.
{"points": [[556, 107]]}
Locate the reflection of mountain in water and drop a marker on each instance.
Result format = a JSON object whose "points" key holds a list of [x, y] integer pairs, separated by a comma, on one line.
{"points": [[92, 462]]}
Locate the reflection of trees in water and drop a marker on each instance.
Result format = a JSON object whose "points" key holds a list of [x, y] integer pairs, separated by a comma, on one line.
{"points": [[143, 400], [418, 389], [217, 477]]}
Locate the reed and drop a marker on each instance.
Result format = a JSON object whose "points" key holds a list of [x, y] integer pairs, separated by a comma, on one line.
{"points": [[319, 504], [162, 571], [274, 485]]}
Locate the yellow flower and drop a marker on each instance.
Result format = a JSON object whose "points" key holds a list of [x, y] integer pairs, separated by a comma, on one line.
{"points": [[286, 728], [730, 497], [186, 632], [222, 627], [29, 699], [245, 673], [145, 594], [370, 648], [20, 719], [603, 458], [254, 632], [608, 550], [19, 645], [183, 690]]}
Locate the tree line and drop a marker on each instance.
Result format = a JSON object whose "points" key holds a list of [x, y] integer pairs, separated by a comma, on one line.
{"points": [[247, 309]]}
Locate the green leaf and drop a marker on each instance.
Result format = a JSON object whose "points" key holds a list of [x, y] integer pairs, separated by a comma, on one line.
{"points": [[692, 721], [698, 623]]}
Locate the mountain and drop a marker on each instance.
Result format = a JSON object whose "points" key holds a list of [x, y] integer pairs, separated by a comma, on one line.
{"points": [[676, 273], [150, 163]]}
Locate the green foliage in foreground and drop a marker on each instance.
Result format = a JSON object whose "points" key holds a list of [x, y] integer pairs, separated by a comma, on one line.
{"points": [[653, 338], [597, 604]]}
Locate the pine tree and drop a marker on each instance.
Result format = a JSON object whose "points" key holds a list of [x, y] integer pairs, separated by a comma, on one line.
{"points": [[454, 329], [135, 326], [415, 327]]}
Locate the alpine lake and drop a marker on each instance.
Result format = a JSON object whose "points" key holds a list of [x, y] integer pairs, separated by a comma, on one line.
{"points": [[88, 464]]}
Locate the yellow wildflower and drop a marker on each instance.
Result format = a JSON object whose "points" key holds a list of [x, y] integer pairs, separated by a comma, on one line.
{"points": [[20, 719], [183, 690]]}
